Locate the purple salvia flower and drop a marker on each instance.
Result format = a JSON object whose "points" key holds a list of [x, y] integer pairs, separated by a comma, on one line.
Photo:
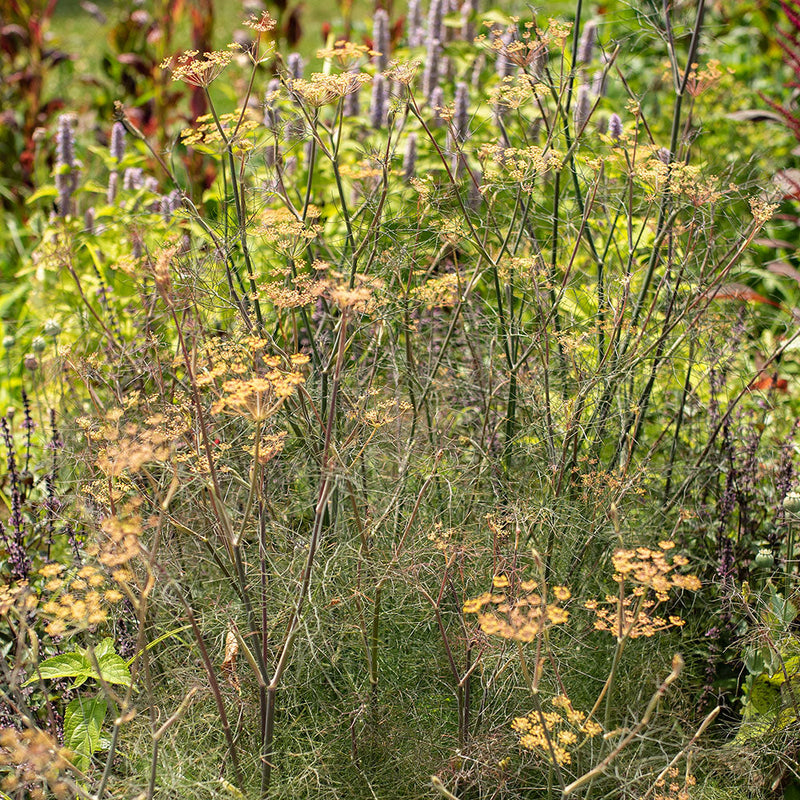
{"points": [[113, 185], [615, 127], [437, 104], [475, 196], [132, 179], [583, 108], [587, 42], [414, 31], [381, 41], [352, 105], [295, 65], [664, 155], [378, 105], [88, 220], [65, 141], [430, 75], [272, 114], [467, 24], [477, 69], [435, 24], [117, 147], [151, 184], [410, 157], [461, 112], [66, 168]]}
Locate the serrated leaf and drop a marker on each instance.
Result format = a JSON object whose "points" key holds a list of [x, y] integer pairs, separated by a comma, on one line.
{"points": [[83, 720], [67, 665], [114, 670], [104, 648]]}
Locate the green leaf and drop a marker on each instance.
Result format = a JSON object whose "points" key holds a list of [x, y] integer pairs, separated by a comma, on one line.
{"points": [[83, 720], [113, 669], [104, 648], [67, 665], [763, 696], [40, 194]]}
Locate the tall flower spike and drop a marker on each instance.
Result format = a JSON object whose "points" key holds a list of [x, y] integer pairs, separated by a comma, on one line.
{"points": [[467, 22], [461, 112], [66, 167], [381, 39], [352, 105], [414, 31], [583, 107], [272, 114], [437, 104], [587, 43], [410, 157], [615, 127], [377, 108], [430, 76], [435, 23], [113, 185], [117, 147], [295, 65]]}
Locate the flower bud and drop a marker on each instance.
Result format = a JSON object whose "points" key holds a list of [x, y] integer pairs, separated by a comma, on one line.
{"points": [[792, 502], [38, 345], [764, 558], [8, 342], [52, 328]]}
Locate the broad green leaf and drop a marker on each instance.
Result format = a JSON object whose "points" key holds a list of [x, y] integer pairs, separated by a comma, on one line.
{"points": [[113, 669], [104, 648], [763, 696], [67, 665], [83, 720]]}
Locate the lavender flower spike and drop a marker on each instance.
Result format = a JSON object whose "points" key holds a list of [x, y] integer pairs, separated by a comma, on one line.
{"points": [[295, 65], [117, 146], [381, 39], [430, 75], [378, 109], [66, 173], [410, 157], [583, 108], [615, 127], [414, 32], [461, 112], [435, 21], [587, 42]]}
